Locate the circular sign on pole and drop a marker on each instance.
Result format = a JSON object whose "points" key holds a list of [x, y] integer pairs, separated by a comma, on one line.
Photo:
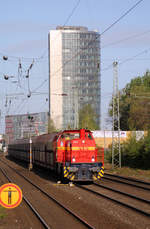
{"points": [[10, 195]]}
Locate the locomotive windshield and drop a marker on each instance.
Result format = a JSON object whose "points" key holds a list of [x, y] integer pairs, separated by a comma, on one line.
{"points": [[70, 136], [89, 136]]}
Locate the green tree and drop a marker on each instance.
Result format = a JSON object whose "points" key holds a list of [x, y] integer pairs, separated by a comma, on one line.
{"points": [[51, 126], [135, 104], [136, 153], [69, 127], [87, 118]]}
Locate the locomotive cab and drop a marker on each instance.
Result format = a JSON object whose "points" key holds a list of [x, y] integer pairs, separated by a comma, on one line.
{"points": [[79, 154], [71, 154]]}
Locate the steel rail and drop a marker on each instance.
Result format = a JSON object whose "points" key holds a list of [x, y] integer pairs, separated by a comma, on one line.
{"points": [[129, 178], [84, 222], [123, 193], [125, 182], [114, 200], [45, 225]]}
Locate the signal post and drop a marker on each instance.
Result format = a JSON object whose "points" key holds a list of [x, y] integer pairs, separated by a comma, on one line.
{"points": [[30, 144], [30, 155]]}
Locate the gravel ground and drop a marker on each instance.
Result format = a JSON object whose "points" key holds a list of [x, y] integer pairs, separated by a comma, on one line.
{"points": [[97, 211], [17, 218]]}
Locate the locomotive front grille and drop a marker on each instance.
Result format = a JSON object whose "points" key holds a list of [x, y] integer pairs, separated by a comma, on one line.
{"points": [[83, 172]]}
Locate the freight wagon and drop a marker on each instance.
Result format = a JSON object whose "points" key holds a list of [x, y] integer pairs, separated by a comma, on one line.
{"points": [[71, 154]]}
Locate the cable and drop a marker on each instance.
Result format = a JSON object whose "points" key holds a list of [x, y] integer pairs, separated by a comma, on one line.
{"points": [[97, 37], [25, 102], [120, 18], [42, 56], [18, 58], [68, 18], [105, 69], [128, 59], [114, 23], [72, 12], [126, 39], [40, 86], [22, 103], [141, 53], [108, 28]]}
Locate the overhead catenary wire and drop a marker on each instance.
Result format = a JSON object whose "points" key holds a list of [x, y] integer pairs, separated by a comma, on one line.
{"points": [[72, 12], [125, 39], [98, 35], [41, 84], [21, 57], [42, 56], [139, 54], [127, 59], [108, 28], [115, 22], [36, 59], [68, 18], [104, 69], [21, 105], [122, 16]]}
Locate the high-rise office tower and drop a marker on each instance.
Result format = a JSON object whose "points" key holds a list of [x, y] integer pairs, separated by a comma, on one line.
{"points": [[74, 74]]}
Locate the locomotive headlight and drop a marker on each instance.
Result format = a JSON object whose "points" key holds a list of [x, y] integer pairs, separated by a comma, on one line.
{"points": [[93, 159], [73, 159]]}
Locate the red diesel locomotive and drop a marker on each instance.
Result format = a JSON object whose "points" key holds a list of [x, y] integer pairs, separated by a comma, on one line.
{"points": [[71, 154]]}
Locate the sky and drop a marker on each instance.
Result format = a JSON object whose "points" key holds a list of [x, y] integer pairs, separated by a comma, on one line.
{"points": [[24, 28]]}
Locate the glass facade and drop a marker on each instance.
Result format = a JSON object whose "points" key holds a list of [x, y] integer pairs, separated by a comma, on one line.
{"points": [[80, 73], [20, 126]]}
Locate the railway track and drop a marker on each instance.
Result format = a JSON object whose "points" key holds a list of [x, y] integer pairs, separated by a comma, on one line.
{"points": [[109, 195], [75, 220], [39, 217], [136, 203], [128, 178], [128, 181], [123, 193]]}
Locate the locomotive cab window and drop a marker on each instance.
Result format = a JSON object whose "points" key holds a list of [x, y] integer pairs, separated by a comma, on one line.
{"points": [[65, 136], [89, 136], [70, 136]]}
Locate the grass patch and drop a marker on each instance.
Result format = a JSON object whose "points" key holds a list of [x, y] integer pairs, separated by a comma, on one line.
{"points": [[2, 212]]}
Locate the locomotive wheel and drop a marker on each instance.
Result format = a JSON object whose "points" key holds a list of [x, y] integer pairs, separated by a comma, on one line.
{"points": [[62, 174], [56, 173]]}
